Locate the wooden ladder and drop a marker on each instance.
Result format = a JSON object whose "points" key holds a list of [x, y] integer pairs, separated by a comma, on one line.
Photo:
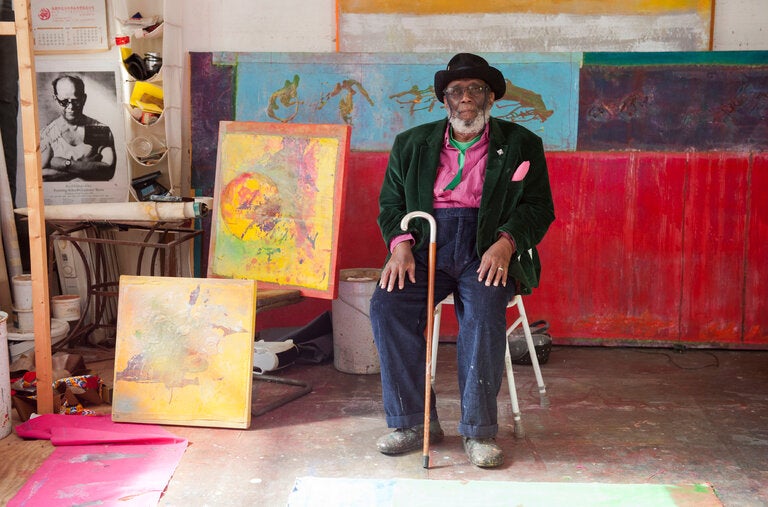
{"points": [[22, 29]]}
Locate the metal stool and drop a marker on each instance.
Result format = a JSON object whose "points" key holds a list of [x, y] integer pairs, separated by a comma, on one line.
{"points": [[522, 319]]}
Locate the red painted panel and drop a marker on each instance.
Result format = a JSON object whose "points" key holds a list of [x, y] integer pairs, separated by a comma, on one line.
{"points": [[606, 257], [756, 275], [713, 248], [361, 243], [646, 248]]}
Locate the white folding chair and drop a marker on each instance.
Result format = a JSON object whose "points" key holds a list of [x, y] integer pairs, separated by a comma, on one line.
{"points": [[521, 319]]}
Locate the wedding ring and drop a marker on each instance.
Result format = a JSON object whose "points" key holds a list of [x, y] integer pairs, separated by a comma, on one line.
{"points": [[501, 269]]}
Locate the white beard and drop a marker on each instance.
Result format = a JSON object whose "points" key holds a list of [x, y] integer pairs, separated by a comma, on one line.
{"points": [[467, 127]]}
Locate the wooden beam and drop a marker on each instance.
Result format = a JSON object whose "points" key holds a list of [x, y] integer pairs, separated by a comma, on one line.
{"points": [[712, 12], [37, 238]]}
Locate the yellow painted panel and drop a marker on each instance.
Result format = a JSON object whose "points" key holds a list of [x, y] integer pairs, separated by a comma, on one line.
{"points": [[184, 351]]}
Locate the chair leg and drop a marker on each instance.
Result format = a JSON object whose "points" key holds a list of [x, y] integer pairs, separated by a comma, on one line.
{"points": [[519, 431], [523, 319]]}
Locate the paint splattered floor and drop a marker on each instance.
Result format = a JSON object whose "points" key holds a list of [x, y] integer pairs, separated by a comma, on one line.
{"points": [[617, 415]]}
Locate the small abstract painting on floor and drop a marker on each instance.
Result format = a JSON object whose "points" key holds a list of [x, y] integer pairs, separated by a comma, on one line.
{"points": [[184, 351]]}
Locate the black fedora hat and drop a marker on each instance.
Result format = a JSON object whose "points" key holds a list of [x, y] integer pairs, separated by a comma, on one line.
{"points": [[469, 66]]}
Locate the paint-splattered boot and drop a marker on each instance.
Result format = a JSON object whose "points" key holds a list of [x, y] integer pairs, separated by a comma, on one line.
{"points": [[404, 440], [483, 452]]}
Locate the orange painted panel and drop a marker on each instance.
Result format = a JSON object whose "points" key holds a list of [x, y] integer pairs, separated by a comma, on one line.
{"points": [[585, 7]]}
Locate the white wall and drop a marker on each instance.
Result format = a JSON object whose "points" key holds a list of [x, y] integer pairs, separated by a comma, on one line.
{"points": [[310, 25], [253, 26], [741, 25], [259, 25]]}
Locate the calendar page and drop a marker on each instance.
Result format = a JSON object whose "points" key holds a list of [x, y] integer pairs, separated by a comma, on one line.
{"points": [[69, 25]]}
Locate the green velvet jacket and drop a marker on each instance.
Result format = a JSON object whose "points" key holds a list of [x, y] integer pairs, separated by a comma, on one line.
{"points": [[524, 209]]}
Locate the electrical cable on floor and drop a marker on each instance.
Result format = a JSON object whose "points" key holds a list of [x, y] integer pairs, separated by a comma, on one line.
{"points": [[680, 350]]}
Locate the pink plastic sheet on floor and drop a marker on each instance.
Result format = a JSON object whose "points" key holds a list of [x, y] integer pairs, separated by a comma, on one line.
{"points": [[99, 462]]}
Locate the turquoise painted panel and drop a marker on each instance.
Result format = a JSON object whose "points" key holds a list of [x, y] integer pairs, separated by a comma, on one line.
{"points": [[678, 58], [380, 95]]}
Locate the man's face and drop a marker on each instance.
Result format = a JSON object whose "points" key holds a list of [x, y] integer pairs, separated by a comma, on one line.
{"points": [[468, 102], [70, 102]]}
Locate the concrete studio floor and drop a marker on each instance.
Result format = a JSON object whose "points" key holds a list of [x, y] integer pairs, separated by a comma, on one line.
{"points": [[617, 415]]}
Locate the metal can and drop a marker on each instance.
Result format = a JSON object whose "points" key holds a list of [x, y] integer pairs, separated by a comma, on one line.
{"points": [[153, 62]]}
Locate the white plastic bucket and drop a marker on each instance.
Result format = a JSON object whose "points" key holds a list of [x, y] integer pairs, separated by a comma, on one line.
{"points": [[353, 348], [66, 307], [24, 320], [5, 379], [21, 286], [24, 342]]}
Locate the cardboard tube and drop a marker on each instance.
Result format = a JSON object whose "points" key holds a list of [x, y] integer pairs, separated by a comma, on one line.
{"points": [[126, 211]]}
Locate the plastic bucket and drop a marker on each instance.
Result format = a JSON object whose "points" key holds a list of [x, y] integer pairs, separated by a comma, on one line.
{"points": [[353, 348], [5, 379], [66, 307], [24, 320], [24, 342], [21, 286]]}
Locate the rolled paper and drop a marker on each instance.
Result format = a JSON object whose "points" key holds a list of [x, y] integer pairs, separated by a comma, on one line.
{"points": [[116, 211]]}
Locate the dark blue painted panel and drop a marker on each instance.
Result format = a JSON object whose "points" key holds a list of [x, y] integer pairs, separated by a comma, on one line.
{"points": [[673, 108]]}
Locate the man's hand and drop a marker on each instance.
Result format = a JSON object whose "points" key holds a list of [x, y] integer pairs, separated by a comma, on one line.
{"points": [[399, 264], [494, 263]]}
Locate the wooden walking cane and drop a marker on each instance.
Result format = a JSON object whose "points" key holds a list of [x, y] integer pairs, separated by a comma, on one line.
{"points": [[430, 321]]}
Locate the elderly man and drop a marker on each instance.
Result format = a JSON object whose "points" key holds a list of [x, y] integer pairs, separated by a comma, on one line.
{"points": [[485, 181]]}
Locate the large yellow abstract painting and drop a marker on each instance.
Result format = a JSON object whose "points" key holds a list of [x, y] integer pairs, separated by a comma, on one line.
{"points": [[278, 198], [184, 351]]}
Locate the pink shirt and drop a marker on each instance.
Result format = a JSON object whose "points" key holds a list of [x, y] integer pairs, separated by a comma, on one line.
{"points": [[468, 192]]}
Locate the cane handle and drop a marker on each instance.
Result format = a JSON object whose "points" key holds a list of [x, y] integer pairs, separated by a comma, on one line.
{"points": [[426, 216]]}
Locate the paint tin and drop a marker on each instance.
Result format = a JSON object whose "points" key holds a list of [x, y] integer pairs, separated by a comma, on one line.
{"points": [[353, 348], [22, 291], [66, 307], [153, 62], [24, 320]]}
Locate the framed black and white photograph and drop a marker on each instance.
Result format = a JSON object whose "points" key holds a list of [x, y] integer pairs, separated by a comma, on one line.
{"points": [[82, 139]]}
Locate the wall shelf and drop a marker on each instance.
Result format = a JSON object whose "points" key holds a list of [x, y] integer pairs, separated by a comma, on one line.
{"points": [[149, 113]]}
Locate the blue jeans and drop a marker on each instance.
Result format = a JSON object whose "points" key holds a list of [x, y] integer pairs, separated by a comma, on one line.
{"points": [[399, 320]]}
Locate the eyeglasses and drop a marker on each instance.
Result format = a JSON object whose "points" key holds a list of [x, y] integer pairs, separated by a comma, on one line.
{"points": [[457, 92], [68, 102]]}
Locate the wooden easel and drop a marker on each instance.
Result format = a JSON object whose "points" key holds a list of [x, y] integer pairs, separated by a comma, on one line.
{"points": [[22, 29]]}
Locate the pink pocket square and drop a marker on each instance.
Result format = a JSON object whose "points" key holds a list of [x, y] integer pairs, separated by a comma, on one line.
{"points": [[521, 171]]}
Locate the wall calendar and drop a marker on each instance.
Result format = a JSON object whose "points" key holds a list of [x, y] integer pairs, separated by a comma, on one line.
{"points": [[69, 25]]}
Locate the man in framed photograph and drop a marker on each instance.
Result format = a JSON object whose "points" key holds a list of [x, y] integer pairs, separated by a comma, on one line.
{"points": [[74, 145]]}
